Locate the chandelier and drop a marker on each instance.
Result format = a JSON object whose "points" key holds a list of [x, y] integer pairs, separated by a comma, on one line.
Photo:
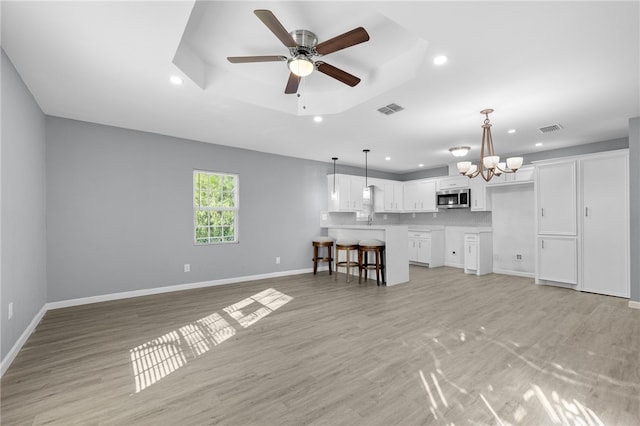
{"points": [[489, 164]]}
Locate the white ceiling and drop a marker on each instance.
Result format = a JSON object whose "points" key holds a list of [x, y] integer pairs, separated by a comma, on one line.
{"points": [[536, 63]]}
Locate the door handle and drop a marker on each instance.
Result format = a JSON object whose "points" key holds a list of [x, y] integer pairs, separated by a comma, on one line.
{"points": [[542, 212], [586, 212], [542, 243]]}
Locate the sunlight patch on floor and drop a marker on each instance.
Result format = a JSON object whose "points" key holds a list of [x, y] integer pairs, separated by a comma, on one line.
{"points": [[159, 357]]}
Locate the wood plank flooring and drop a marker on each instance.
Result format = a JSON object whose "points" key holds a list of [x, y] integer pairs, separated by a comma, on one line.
{"points": [[446, 348]]}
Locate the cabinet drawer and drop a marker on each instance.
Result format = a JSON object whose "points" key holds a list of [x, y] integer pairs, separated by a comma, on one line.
{"points": [[419, 234]]}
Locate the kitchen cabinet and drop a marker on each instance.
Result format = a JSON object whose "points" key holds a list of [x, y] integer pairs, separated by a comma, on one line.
{"points": [[348, 191], [605, 225], [584, 246], [480, 199], [478, 253], [427, 247], [525, 174], [557, 259], [452, 182], [556, 187], [420, 196], [393, 193]]}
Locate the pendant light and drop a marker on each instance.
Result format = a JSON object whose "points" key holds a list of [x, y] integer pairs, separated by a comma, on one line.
{"points": [[334, 194], [366, 192]]}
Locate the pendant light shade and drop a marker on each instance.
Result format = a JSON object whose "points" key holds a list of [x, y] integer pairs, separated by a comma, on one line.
{"points": [[334, 194], [366, 192]]}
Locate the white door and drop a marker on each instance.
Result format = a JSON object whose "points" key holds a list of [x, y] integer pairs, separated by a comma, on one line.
{"points": [[605, 221]]}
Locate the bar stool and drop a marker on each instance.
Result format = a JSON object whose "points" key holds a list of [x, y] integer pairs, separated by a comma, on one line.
{"points": [[318, 243], [371, 246], [350, 247]]}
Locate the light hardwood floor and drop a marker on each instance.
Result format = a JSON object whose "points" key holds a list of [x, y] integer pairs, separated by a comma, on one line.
{"points": [[446, 348]]}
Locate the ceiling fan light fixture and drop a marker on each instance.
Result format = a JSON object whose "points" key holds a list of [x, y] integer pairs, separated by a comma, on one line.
{"points": [[300, 65]]}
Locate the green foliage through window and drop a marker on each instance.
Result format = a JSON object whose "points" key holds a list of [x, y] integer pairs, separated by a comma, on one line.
{"points": [[215, 207]]}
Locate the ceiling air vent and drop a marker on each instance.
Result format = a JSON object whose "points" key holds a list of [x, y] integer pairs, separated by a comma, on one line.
{"points": [[550, 129], [390, 109]]}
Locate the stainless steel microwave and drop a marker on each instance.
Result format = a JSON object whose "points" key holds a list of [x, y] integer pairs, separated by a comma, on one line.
{"points": [[454, 198]]}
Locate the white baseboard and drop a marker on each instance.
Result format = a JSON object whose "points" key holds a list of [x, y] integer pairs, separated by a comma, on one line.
{"points": [[515, 273], [8, 359], [11, 355], [633, 304], [168, 289]]}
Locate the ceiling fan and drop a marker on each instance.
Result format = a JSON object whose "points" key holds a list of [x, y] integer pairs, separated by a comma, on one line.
{"points": [[303, 46]]}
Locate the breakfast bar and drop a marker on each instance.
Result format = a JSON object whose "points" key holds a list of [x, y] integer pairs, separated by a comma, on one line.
{"points": [[395, 238]]}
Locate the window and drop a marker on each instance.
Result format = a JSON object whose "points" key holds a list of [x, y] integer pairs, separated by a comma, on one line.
{"points": [[215, 207]]}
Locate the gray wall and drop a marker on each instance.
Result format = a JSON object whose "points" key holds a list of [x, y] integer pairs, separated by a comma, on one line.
{"points": [[634, 190], [22, 195], [120, 211]]}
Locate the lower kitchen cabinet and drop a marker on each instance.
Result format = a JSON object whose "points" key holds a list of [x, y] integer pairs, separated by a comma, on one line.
{"points": [[478, 253], [427, 247], [558, 259]]}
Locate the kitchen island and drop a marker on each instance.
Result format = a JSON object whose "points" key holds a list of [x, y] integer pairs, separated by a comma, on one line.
{"points": [[396, 246]]}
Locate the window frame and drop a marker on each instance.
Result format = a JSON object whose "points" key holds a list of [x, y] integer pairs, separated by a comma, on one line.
{"points": [[198, 208]]}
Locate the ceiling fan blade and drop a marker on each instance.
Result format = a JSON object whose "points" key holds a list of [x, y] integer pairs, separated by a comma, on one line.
{"points": [[270, 20], [245, 59], [292, 84], [337, 73], [348, 39]]}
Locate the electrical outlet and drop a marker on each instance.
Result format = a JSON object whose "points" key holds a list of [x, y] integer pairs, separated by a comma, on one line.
{"points": [[453, 253], [10, 310], [384, 216], [413, 215], [187, 267], [435, 214], [518, 257], [278, 260]]}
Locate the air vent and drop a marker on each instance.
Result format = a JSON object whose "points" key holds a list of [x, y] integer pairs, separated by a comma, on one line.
{"points": [[552, 128], [390, 109]]}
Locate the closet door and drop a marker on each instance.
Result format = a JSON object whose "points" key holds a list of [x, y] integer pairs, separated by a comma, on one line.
{"points": [[605, 225]]}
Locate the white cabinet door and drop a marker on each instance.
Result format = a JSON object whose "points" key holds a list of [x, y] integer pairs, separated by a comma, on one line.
{"points": [[356, 186], [605, 231], [393, 196], [480, 200], [420, 196], [424, 251], [556, 198], [470, 255], [557, 259], [413, 250]]}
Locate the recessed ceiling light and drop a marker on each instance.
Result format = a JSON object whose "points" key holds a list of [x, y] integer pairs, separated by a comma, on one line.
{"points": [[511, 131], [420, 165], [176, 80], [317, 119], [387, 158], [439, 60], [539, 144]]}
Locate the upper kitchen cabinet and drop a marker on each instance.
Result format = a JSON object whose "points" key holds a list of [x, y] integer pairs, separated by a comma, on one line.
{"points": [[393, 196], [480, 199], [348, 193], [453, 182], [556, 198], [420, 196], [523, 175]]}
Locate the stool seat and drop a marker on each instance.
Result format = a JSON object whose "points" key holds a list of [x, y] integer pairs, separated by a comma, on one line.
{"points": [[347, 242], [322, 239], [349, 247], [371, 243], [317, 243], [377, 248]]}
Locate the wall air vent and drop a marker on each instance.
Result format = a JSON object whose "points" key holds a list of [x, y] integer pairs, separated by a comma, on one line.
{"points": [[550, 129], [390, 109]]}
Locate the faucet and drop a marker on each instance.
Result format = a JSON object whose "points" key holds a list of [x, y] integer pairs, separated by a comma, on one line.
{"points": [[369, 220]]}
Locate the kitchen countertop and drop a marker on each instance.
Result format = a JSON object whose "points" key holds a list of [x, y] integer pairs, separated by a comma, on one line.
{"points": [[374, 226]]}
